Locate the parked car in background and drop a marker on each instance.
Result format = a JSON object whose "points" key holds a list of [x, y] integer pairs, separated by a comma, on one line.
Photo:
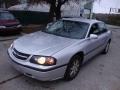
{"points": [[9, 24], [60, 49]]}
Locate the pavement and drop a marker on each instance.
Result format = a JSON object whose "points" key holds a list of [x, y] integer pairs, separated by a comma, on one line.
{"points": [[6, 38], [100, 73]]}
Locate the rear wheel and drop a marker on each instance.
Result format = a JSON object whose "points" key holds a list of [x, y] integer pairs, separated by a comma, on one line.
{"points": [[105, 51], [73, 68]]}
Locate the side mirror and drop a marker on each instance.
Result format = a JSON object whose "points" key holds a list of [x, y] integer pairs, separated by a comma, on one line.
{"points": [[93, 36]]}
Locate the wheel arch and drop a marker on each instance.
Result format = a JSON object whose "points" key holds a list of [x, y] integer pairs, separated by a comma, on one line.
{"points": [[109, 40], [81, 54]]}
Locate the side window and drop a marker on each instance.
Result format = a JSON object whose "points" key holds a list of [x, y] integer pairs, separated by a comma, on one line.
{"points": [[94, 29], [102, 27]]}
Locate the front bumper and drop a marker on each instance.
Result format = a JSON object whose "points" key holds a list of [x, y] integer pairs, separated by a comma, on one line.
{"points": [[9, 31], [27, 69]]}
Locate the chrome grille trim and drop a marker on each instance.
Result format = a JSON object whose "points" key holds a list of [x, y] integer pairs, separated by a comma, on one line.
{"points": [[20, 55]]}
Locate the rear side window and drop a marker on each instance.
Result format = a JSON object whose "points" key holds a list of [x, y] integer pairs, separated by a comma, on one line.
{"points": [[102, 27], [6, 16]]}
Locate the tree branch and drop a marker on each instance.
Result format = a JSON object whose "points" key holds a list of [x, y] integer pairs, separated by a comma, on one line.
{"points": [[64, 1]]}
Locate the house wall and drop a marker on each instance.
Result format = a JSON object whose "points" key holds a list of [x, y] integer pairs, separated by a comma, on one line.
{"points": [[40, 13]]}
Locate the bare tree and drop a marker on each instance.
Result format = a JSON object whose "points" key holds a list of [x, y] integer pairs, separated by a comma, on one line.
{"points": [[55, 6], [9, 3]]}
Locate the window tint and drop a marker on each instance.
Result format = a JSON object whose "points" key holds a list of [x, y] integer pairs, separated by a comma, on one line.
{"points": [[94, 29], [70, 29], [102, 27], [98, 28]]}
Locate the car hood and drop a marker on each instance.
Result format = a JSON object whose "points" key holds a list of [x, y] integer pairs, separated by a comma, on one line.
{"points": [[41, 43]]}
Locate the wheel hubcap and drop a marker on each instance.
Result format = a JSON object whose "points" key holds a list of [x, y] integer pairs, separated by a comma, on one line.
{"points": [[74, 69]]}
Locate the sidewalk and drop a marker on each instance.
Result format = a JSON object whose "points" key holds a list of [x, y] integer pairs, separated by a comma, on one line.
{"points": [[113, 27], [5, 38]]}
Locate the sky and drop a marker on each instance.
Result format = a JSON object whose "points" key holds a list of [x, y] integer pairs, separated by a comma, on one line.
{"points": [[104, 6]]}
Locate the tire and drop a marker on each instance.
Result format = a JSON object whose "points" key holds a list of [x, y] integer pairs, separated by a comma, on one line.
{"points": [[105, 51], [73, 68]]}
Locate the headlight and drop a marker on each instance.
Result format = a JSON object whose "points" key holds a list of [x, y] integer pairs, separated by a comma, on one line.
{"points": [[11, 46], [41, 60], [2, 27], [19, 26]]}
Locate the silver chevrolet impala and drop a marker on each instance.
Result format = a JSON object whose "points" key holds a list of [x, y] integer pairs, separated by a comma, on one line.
{"points": [[60, 49]]}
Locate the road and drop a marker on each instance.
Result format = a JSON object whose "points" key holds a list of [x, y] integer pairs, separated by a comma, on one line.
{"points": [[100, 73]]}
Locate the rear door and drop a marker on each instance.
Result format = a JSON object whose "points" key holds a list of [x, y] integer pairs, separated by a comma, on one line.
{"points": [[103, 36]]}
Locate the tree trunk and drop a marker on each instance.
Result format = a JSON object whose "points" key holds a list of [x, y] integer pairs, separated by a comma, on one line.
{"points": [[58, 12], [51, 13], [55, 9], [52, 10]]}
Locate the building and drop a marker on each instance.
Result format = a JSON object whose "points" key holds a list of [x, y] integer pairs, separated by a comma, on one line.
{"points": [[86, 8], [73, 9], [83, 9]]}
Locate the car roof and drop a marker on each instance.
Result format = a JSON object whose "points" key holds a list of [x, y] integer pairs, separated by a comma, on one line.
{"points": [[90, 21]]}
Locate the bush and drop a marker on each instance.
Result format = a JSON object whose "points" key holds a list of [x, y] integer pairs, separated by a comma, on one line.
{"points": [[113, 19]]}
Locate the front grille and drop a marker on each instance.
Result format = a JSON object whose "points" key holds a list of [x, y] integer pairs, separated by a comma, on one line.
{"points": [[20, 55]]}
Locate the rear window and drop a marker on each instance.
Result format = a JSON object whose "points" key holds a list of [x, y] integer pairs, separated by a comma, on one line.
{"points": [[6, 16]]}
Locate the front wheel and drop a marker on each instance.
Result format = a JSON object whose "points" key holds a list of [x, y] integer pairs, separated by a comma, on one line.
{"points": [[73, 68]]}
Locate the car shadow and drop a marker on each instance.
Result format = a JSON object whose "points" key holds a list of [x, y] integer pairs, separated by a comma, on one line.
{"points": [[9, 37]]}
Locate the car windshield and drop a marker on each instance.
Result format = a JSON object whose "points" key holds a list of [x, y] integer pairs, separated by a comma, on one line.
{"points": [[6, 16], [69, 29]]}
